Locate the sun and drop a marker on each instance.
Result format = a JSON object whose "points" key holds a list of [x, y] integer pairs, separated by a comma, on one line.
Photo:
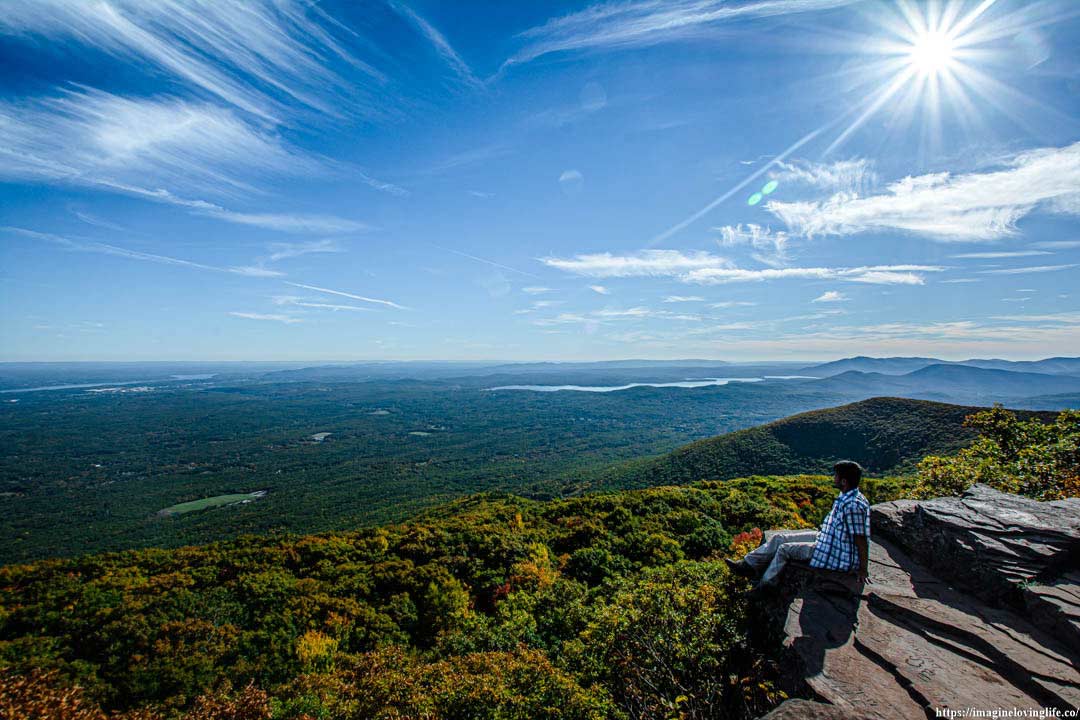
{"points": [[932, 52]]}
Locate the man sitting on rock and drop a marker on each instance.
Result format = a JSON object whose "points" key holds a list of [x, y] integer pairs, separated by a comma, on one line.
{"points": [[840, 545]]}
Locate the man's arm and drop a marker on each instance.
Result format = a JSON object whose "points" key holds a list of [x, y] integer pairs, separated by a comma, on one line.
{"points": [[864, 558]]}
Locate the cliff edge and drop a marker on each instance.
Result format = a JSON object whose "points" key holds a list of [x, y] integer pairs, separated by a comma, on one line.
{"points": [[974, 602]]}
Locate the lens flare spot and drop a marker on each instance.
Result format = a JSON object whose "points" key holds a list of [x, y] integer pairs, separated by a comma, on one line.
{"points": [[754, 199], [769, 187]]}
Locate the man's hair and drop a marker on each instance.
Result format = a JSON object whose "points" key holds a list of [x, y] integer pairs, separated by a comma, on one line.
{"points": [[848, 470]]}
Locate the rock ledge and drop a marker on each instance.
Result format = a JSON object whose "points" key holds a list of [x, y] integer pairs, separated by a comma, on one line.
{"points": [[974, 602]]}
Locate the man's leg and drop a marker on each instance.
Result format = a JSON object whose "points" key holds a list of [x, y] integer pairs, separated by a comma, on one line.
{"points": [[801, 550], [760, 557]]}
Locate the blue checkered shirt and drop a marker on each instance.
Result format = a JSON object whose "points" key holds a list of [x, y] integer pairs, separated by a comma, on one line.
{"points": [[835, 546]]}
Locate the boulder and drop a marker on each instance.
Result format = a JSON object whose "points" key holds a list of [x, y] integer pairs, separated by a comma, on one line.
{"points": [[921, 636], [1010, 551]]}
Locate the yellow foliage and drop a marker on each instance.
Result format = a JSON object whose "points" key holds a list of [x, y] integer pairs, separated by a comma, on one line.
{"points": [[316, 650]]}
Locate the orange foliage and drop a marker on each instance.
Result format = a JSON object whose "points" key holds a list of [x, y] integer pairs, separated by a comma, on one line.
{"points": [[744, 542]]}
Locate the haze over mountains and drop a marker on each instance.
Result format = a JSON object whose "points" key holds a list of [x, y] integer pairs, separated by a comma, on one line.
{"points": [[92, 463]]}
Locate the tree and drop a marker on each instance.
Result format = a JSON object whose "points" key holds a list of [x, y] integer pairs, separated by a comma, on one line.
{"points": [[1033, 458]]}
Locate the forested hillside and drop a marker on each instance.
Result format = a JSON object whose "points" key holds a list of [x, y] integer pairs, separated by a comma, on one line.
{"points": [[884, 435], [495, 606]]}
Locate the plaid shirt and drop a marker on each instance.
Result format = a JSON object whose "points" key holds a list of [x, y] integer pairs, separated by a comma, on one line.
{"points": [[835, 546]]}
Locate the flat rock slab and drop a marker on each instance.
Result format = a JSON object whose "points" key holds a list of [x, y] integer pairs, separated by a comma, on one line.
{"points": [[908, 643], [1008, 550], [809, 710]]}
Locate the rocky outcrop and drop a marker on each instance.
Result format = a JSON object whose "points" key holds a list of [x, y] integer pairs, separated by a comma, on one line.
{"points": [[799, 709], [1008, 550], [946, 620]]}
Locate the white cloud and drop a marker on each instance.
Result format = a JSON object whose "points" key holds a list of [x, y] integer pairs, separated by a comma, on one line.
{"points": [[284, 251], [438, 41], [876, 275], [1058, 245], [645, 263], [830, 296], [255, 271], [848, 176], [731, 303], [293, 301], [683, 298], [535, 290], [772, 246], [1068, 318], [88, 137], [647, 22], [1000, 255], [1025, 270], [260, 56], [361, 298], [539, 304], [600, 289], [140, 147], [973, 206], [287, 319], [630, 312], [704, 268], [315, 224], [83, 245]]}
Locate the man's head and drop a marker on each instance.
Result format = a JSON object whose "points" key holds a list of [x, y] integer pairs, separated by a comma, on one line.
{"points": [[846, 475]]}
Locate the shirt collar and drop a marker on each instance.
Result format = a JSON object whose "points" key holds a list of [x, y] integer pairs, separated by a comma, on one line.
{"points": [[850, 493]]}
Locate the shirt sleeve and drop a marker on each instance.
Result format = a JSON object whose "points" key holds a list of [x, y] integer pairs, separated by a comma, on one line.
{"points": [[857, 519]]}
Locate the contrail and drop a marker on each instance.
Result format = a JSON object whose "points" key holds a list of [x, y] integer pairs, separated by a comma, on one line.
{"points": [[486, 262], [753, 176]]}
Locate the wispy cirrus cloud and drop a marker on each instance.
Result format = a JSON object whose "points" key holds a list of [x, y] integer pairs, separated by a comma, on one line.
{"points": [[607, 315], [600, 289], [1057, 245], [1030, 269], [704, 268], [870, 274], [770, 247], [272, 317], [852, 176], [141, 147], [438, 41], [830, 296], [264, 57], [284, 251], [641, 23], [943, 206], [294, 301], [86, 245], [724, 305], [1002, 254], [642, 264], [353, 296], [683, 298], [89, 137]]}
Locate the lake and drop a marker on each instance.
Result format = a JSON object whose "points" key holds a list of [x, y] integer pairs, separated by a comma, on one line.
{"points": [[704, 382]]}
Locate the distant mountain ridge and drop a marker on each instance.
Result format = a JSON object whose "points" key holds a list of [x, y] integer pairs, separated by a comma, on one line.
{"points": [[955, 381], [884, 434], [905, 365]]}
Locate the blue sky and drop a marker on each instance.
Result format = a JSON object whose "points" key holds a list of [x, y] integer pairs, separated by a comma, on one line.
{"points": [[739, 180]]}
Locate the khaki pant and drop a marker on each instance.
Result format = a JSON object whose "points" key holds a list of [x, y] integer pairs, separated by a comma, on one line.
{"points": [[782, 546]]}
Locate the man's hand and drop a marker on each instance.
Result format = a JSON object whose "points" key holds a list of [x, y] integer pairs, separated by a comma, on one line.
{"points": [[864, 558]]}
